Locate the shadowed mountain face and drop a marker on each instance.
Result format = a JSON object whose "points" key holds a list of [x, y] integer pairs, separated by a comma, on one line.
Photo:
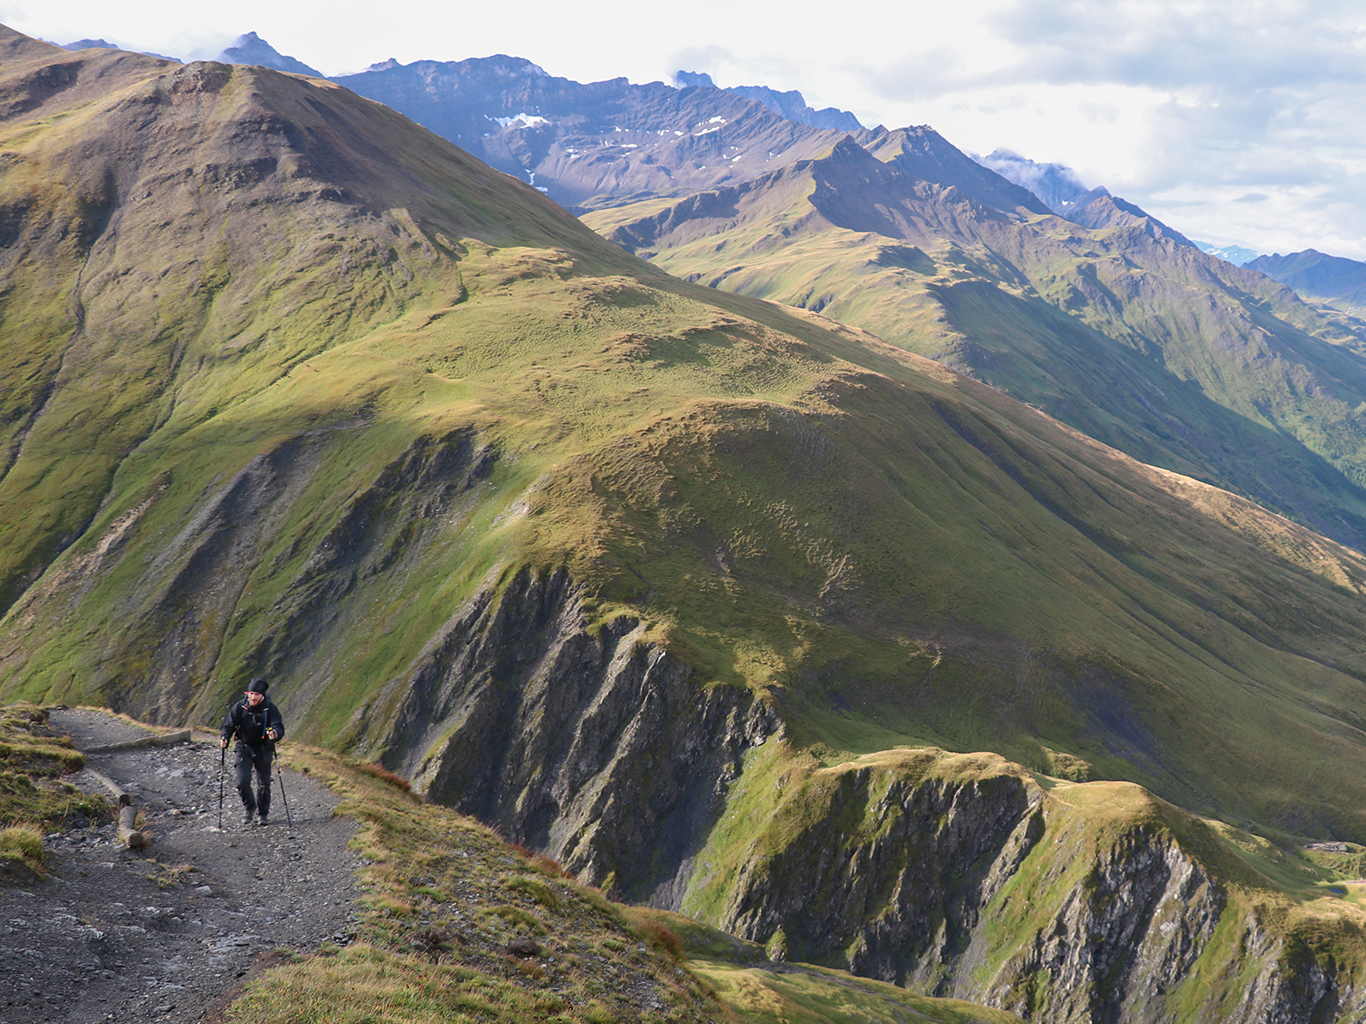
{"points": [[1124, 329], [642, 570]]}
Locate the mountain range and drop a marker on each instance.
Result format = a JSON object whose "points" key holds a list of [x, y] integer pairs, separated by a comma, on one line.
{"points": [[1284, 432], [1029, 674], [1332, 280]]}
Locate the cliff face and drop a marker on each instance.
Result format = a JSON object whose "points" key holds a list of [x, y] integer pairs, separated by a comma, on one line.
{"points": [[961, 876], [601, 748]]}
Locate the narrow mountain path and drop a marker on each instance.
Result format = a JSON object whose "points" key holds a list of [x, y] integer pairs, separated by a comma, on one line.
{"points": [[169, 933]]}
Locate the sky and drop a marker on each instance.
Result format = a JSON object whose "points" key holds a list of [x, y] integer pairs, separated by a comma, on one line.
{"points": [[1235, 123]]}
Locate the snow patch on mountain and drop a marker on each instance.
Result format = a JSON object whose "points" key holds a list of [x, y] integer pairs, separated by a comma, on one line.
{"points": [[522, 120]]}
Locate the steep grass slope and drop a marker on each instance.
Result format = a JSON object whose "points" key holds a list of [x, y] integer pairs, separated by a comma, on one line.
{"points": [[1061, 901], [298, 389], [340, 457], [1126, 333]]}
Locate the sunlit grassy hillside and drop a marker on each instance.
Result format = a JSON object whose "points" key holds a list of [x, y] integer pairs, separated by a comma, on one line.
{"points": [[298, 388], [1174, 357]]}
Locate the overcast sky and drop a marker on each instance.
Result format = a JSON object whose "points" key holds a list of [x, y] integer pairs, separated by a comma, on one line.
{"points": [[1236, 123]]}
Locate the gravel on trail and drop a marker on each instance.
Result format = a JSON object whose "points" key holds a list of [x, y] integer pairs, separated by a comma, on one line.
{"points": [[169, 933]]}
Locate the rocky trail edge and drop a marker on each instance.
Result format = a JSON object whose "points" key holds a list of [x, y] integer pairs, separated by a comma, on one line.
{"points": [[171, 931]]}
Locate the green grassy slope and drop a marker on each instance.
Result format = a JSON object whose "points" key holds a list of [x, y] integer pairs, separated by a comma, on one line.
{"points": [[337, 396], [848, 864], [441, 899], [1176, 358]]}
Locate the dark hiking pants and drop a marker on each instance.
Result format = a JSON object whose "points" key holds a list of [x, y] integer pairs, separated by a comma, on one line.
{"points": [[258, 758]]}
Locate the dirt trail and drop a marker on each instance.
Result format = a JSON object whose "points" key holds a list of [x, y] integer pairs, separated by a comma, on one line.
{"points": [[168, 932]]}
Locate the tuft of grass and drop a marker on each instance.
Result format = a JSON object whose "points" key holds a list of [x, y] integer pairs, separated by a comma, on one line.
{"points": [[32, 796], [173, 876], [23, 843], [384, 774], [537, 888]]}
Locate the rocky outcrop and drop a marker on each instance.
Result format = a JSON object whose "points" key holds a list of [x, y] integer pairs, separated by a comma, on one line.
{"points": [[879, 878], [1116, 943], [962, 877], [598, 747]]}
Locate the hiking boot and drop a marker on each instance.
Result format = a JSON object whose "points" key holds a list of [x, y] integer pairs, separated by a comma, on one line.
{"points": [[263, 820], [248, 818]]}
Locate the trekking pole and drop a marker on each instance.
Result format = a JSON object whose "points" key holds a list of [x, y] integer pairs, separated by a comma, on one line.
{"points": [[289, 822], [222, 766]]}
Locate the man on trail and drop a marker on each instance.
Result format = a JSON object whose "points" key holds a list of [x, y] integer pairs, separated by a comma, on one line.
{"points": [[257, 723]]}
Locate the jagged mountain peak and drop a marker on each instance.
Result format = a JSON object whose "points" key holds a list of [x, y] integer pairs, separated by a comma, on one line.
{"points": [[790, 104], [693, 80], [252, 49], [923, 152]]}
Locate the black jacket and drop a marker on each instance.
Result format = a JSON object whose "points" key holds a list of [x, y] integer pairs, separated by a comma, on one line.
{"points": [[250, 724]]}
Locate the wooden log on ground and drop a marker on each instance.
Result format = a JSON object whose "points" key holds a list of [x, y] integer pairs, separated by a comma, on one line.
{"points": [[128, 831]]}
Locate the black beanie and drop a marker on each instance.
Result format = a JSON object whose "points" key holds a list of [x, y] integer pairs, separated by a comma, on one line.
{"points": [[258, 686]]}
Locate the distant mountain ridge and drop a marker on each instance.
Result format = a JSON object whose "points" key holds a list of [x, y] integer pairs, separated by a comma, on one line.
{"points": [[1331, 279], [89, 44], [1238, 255], [585, 142], [791, 104], [603, 143]]}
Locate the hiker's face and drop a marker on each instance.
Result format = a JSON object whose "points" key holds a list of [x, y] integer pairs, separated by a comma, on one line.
{"points": [[254, 698]]}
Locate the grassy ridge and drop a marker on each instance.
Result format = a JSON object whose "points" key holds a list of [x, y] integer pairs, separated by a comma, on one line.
{"points": [[446, 900], [819, 841], [1175, 358], [441, 380]]}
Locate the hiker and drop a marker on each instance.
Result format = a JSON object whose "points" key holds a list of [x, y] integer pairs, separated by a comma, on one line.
{"points": [[258, 725]]}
